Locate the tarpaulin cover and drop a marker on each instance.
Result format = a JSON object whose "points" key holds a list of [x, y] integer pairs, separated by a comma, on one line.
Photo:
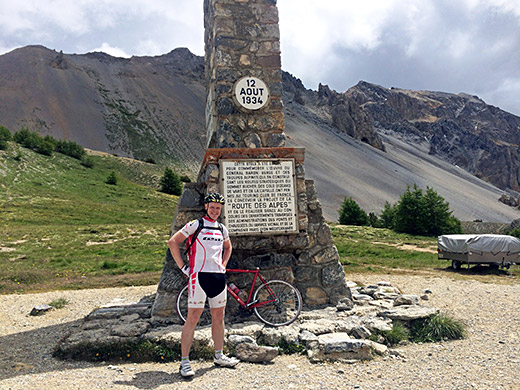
{"points": [[490, 243]]}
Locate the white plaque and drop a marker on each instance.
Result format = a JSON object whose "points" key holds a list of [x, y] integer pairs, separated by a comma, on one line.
{"points": [[251, 93], [260, 196]]}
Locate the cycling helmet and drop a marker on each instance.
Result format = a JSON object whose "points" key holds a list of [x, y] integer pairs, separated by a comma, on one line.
{"points": [[214, 197]]}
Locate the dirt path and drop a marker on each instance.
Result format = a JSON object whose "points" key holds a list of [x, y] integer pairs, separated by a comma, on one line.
{"points": [[488, 359]]}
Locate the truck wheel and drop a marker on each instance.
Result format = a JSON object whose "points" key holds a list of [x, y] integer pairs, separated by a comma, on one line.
{"points": [[455, 264]]}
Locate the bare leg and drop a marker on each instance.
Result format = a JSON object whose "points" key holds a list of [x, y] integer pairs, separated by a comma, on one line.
{"points": [[217, 327], [188, 330]]}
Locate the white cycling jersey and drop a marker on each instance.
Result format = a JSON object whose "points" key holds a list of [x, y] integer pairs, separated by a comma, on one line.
{"points": [[206, 252]]}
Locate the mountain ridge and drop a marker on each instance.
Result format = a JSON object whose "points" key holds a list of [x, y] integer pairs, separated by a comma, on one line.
{"points": [[368, 142]]}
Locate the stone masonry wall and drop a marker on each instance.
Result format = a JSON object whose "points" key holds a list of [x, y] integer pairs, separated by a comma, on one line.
{"points": [[242, 38], [307, 259]]}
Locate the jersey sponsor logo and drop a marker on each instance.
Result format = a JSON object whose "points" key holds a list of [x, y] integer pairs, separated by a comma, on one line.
{"points": [[218, 239]]}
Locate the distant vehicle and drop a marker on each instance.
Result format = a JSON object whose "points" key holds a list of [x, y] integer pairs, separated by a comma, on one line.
{"points": [[497, 250]]}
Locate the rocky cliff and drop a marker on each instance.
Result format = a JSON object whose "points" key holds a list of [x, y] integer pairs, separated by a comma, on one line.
{"points": [[461, 129]]}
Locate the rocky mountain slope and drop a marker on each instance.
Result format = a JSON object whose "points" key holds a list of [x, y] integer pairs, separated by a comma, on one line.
{"points": [[142, 107], [368, 142]]}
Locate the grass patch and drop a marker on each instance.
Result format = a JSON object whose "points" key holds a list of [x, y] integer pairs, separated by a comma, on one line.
{"points": [[288, 348], [364, 249], [436, 328], [367, 249], [395, 336], [62, 227], [59, 303]]}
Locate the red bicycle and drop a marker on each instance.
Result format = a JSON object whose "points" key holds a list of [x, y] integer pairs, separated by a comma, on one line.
{"points": [[275, 302]]}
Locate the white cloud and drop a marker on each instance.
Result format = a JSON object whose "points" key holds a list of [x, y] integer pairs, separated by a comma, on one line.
{"points": [[506, 95], [455, 46], [113, 51]]}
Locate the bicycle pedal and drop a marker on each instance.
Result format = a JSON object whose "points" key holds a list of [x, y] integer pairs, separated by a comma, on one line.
{"points": [[244, 312]]}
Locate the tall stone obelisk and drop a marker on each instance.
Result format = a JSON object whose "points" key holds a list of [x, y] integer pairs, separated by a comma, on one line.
{"points": [[272, 212]]}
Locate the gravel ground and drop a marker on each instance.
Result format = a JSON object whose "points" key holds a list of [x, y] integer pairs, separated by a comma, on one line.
{"points": [[488, 359]]}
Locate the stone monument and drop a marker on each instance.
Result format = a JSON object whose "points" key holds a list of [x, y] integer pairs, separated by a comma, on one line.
{"points": [[272, 212]]}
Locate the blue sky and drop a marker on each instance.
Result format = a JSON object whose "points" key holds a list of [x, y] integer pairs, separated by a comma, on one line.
{"points": [[470, 46]]}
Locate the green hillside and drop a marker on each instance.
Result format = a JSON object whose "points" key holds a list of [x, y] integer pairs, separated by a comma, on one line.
{"points": [[63, 226]]}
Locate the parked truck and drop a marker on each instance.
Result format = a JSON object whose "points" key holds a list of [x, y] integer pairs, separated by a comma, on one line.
{"points": [[497, 250]]}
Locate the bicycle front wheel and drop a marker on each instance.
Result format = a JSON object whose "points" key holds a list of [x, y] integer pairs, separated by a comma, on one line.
{"points": [[286, 303], [182, 308]]}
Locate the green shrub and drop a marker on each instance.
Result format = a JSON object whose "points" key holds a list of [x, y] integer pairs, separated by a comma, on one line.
{"points": [[185, 179], [418, 213], [31, 141], [373, 220], [515, 233], [386, 219], [288, 348], [53, 141], [392, 337], [5, 136], [34, 141], [87, 161], [437, 328], [70, 148], [351, 214], [59, 303], [21, 135], [45, 147], [170, 183], [111, 179]]}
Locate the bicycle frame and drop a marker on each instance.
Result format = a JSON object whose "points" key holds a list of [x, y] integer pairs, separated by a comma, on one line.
{"points": [[249, 304]]}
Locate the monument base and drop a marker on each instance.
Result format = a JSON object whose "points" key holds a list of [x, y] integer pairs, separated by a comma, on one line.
{"points": [[307, 258]]}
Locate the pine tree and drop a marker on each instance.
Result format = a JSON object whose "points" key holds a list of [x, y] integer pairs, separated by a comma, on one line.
{"points": [[112, 179], [351, 214], [171, 183]]}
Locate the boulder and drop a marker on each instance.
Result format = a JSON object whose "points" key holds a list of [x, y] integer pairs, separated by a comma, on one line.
{"points": [[251, 352], [39, 310], [339, 347], [409, 313], [406, 299]]}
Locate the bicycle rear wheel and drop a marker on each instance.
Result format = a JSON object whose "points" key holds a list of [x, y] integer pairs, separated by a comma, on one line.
{"points": [[286, 305], [182, 308]]}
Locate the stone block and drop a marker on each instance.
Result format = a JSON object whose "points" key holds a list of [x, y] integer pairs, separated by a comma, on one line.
{"points": [[271, 260], [191, 197], [276, 140], [332, 275], [230, 42], [252, 140], [323, 235], [225, 106], [308, 275], [326, 255], [406, 299], [245, 60], [134, 329], [251, 352], [409, 313], [315, 296], [340, 347]]}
